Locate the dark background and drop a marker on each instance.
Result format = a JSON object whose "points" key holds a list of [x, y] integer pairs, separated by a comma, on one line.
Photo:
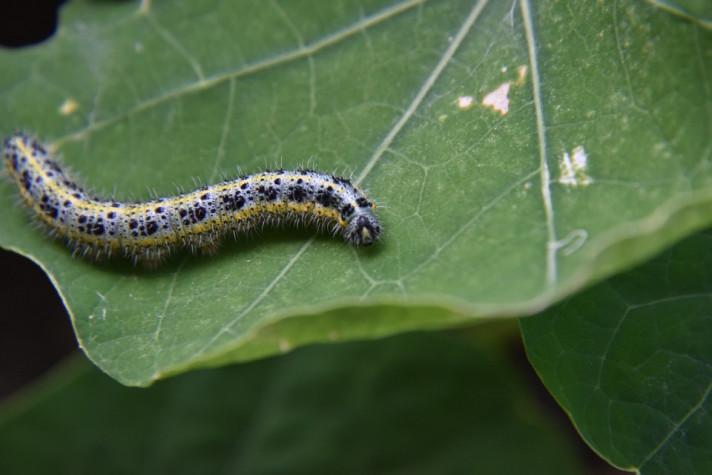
{"points": [[35, 330]]}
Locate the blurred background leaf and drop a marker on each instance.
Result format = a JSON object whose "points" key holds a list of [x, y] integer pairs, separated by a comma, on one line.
{"points": [[630, 361], [416, 403]]}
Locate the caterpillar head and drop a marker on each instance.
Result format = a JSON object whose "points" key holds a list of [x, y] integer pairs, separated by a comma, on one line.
{"points": [[363, 229]]}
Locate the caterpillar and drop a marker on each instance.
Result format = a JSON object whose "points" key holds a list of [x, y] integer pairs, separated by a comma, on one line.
{"points": [[149, 231]]}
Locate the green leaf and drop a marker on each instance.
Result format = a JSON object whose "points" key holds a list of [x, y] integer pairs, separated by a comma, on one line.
{"points": [[487, 212], [630, 360], [418, 403]]}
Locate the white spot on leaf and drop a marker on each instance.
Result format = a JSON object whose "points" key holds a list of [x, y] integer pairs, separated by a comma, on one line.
{"points": [[572, 168], [465, 102], [284, 345], [68, 107], [498, 99], [521, 75]]}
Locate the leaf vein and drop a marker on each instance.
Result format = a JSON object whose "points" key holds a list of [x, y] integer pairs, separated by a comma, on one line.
{"points": [[227, 328], [171, 40], [552, 245], [248, 69], [425, 88], [677, 426]]}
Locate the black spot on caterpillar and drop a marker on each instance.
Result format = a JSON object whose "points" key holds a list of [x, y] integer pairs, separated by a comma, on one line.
{"points": [[149, 231]]}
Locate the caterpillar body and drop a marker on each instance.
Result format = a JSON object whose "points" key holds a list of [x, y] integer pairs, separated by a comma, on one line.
{"points": [[149, 231]]}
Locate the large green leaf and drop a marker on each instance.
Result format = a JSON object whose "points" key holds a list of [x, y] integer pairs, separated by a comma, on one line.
{"points": [[489, 210], [414, 403], [630, 360]]}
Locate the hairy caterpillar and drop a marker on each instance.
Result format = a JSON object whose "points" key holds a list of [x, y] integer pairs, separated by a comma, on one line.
{"points": [[149, 231]]}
